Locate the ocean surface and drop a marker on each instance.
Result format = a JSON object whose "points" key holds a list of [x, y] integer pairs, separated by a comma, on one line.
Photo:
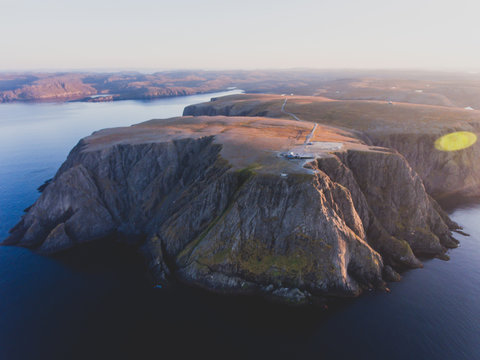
{"points": [[99, 302]]}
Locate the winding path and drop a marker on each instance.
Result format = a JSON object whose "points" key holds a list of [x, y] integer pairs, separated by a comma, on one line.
{"points": [[289, 113], [309, 136]]}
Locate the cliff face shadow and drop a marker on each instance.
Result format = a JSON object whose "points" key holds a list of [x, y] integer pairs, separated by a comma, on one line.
{"points": [[454, 202], [132, 318]]}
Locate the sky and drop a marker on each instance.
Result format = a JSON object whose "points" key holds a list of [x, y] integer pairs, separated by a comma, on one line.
{"points": [[246, 34]]}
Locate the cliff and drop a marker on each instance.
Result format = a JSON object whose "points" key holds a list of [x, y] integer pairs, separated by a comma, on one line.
{"points": [[45, 88], [410, 129], [212, 202]]}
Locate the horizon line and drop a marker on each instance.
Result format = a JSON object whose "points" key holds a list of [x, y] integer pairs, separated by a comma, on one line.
{"points": [[319, 69]]}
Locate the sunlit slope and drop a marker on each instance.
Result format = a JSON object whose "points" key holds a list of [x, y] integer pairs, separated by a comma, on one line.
{"points": [[449, 90], [354, 114], [409, 128]]}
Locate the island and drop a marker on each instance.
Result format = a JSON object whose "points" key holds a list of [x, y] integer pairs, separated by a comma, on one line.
{"points": [[298, 199]]}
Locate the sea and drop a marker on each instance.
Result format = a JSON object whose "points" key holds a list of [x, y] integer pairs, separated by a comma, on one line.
{"points": [[98, 302]]}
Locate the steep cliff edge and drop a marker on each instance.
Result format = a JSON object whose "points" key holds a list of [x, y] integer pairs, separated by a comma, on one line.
{"points": [[410, 129], [210, 201]]}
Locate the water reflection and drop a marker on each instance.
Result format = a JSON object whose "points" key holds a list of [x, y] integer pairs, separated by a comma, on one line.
{"points": [[99, 301]]}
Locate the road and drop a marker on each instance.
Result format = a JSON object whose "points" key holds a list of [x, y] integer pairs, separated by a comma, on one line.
{"points": [[309, 136], [288, 113]]}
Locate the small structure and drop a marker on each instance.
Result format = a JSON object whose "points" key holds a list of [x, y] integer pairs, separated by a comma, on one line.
{"points": [[293, 156]]}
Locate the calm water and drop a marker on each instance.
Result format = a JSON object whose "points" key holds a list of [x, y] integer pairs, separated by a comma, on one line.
{"points": [[99, 303]]}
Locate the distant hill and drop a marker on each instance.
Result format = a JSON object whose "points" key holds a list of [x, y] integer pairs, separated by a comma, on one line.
{"points": [[444, 89]]}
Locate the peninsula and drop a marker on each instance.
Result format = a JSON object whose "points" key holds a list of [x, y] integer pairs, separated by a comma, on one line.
{"points": [[212, 198]]}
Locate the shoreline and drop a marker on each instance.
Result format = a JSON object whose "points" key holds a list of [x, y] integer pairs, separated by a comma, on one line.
{"points": [[114, 98]]}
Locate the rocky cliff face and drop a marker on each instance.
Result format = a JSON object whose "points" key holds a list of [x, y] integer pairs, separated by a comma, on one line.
{"points": [[444, 173], [411, 130], [274, 228], [395, 208]]}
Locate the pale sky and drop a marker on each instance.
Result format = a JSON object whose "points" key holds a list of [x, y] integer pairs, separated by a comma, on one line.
{"points": [[243, 34]]}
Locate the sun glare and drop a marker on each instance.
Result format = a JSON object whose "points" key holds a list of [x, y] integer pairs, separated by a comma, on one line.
{"points": [[456, 141]]}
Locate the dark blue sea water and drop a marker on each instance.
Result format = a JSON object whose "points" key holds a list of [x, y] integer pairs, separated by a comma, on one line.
{"points": [[98, 302]]}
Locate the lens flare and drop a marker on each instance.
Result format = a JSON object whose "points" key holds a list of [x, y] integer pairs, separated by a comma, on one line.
{"points": [[456, 141]]}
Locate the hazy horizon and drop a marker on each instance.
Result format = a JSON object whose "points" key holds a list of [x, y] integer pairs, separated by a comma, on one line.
{"points": [[47, 70], [151, 36]]}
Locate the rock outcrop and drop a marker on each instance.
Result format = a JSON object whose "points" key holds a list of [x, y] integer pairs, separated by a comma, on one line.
{"points": [[208, 201], [444, 173]]}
